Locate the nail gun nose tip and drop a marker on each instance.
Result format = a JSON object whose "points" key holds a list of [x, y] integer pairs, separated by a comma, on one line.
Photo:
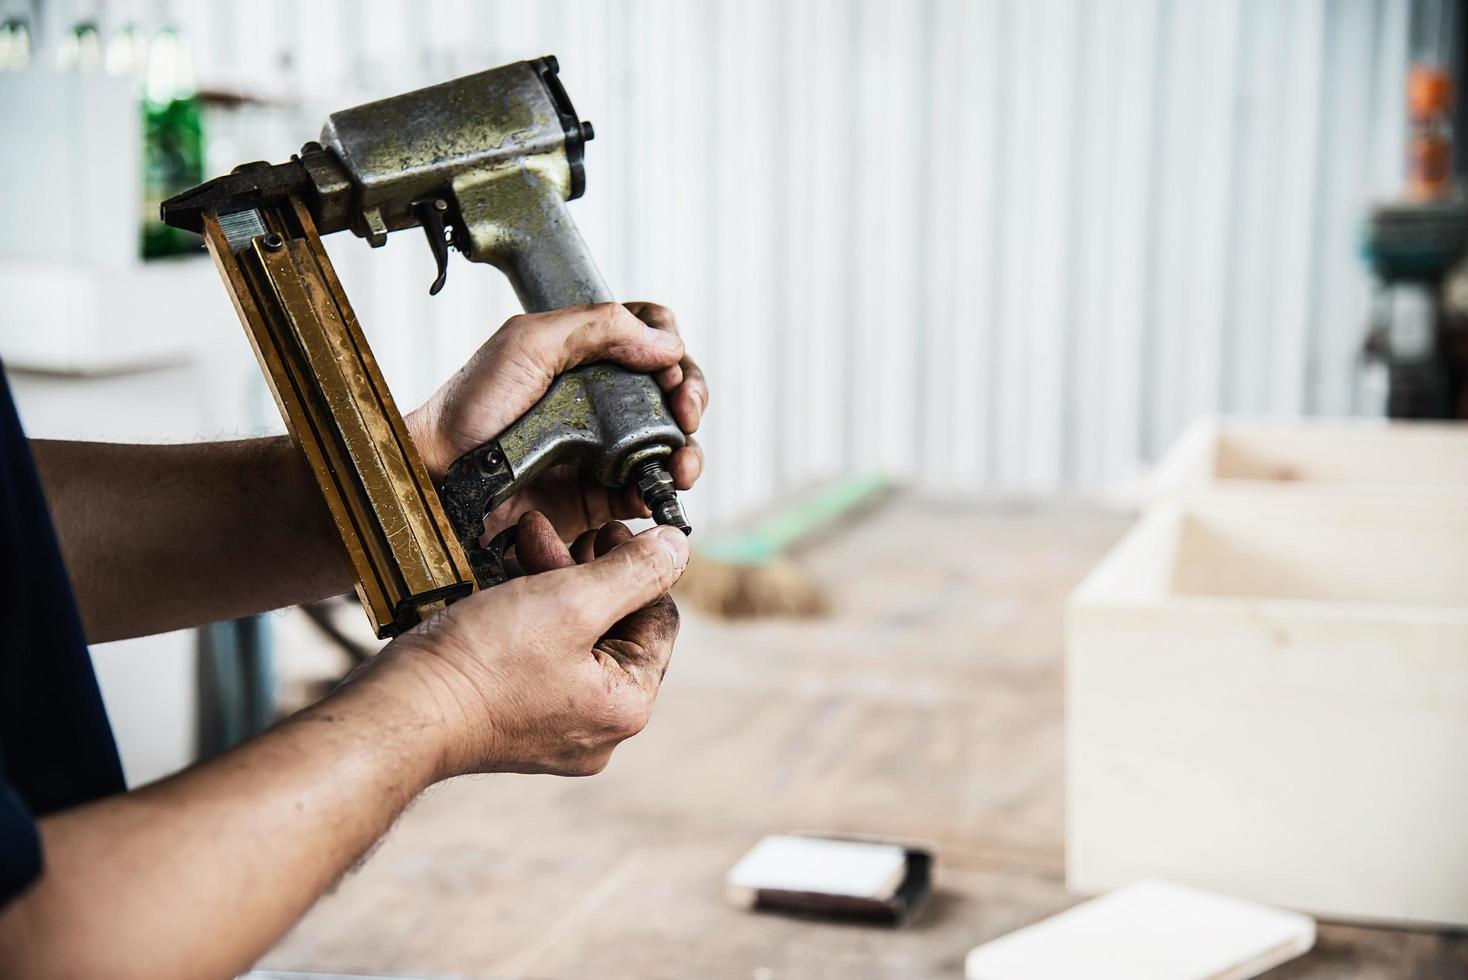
{"points": [[669, 512]]}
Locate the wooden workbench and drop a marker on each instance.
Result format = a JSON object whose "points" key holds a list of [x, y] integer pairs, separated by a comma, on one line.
{"points": [[927, 707]]}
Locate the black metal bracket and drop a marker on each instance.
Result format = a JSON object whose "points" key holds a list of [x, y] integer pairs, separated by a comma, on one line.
{"points": [[468, 490]]}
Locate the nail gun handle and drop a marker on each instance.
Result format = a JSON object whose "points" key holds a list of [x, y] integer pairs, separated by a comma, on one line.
{"points": [[605, 417], [611, 422], [518, 222]]}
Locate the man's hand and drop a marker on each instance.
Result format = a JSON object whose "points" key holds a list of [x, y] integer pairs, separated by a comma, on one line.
{"points": [[548, 672], [507, 376]]}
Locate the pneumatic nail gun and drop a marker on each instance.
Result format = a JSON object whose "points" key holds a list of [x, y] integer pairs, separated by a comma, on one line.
{"points": [[484, 164]]}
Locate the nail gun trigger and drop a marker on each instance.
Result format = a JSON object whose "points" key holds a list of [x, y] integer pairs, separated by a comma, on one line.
{"points": [[431, 216]]}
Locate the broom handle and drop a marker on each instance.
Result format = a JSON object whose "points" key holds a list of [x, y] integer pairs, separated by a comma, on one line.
{"points": [[772, 535]]}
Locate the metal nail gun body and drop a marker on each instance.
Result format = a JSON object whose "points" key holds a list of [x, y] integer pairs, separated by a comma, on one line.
{"points": [[484, 164]]}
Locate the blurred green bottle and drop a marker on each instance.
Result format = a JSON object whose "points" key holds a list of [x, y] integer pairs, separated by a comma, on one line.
{"points": [[173, 142]]}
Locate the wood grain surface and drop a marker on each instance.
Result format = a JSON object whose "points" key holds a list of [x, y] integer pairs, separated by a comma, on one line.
{"points": [[926, 708]]}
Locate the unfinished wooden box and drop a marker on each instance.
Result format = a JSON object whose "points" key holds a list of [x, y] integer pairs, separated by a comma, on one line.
{"points": [[1326, 457], [1267, 695]]}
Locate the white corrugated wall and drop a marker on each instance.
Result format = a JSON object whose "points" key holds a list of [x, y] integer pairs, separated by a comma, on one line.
{"points": [[1000, 244]]}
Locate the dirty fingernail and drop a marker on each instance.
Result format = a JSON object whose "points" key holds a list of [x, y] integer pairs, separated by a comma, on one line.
{"points": [[675, 541]]}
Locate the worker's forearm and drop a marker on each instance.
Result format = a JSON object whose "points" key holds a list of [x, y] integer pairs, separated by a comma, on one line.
{"points": [[163, 537], [198, 875]]}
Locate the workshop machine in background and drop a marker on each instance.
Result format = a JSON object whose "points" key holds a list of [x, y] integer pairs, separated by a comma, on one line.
{"points": [[1417, 246], [485, 164], [1419, 329]]}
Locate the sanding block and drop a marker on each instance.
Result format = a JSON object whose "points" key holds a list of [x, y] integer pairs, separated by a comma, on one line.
{"points": [[1152, 930], [832, 877]]}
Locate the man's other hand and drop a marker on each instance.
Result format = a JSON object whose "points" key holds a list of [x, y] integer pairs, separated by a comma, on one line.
{"points": [[515, 367], [549, 672]]}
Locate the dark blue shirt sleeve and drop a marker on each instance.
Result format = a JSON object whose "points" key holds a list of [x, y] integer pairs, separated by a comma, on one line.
{"points": [[56, 747]]}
